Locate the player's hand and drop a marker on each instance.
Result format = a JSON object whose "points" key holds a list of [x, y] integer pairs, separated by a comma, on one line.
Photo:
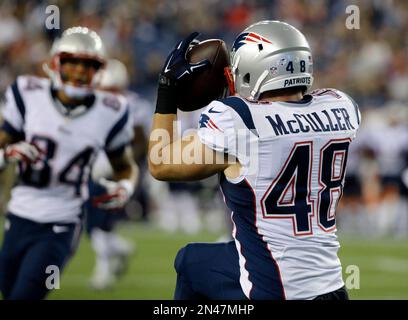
{"points": [[22, 152], [177, 68], [116, 197]]}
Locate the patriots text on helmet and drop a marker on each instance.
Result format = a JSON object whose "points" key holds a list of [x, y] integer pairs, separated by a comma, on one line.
{"points": [[297, 82]]}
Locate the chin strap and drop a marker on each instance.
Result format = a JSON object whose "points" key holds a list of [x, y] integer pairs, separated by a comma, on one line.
{"points": [[76, 92], [230, 80], [255, 91], [71, 91]]}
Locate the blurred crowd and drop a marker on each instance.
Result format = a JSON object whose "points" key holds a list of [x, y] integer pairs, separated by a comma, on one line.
{"points": [[370, 64]]}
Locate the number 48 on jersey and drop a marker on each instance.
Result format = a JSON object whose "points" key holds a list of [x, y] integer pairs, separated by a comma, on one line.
{"points": [[290, 194]]}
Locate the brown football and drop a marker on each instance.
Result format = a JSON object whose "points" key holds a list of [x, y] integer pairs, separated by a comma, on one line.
{"points": [[208, 84]]}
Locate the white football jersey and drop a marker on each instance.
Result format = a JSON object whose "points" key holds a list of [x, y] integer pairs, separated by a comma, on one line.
{"points": [[293, 157], [53, 189], [140, 114], [141, 111]]}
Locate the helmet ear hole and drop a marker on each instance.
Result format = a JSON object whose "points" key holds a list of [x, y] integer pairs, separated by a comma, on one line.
{"points": [[247, 78]]}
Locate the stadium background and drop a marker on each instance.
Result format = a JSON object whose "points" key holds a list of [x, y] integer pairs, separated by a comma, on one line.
{"points": [[370, 64]]}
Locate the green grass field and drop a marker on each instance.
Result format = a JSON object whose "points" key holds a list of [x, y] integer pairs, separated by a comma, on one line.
{"points": [[383, 266]]}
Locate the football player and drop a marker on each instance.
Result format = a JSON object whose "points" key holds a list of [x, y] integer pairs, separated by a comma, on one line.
{"points": [[281, 155], [53, 129], [112, 250]]}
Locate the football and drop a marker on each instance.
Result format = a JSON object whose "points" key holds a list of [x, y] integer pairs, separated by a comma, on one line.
{"points": [[210, 83]]}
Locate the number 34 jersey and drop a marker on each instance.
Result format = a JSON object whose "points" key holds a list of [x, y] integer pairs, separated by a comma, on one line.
{"points": [[293, 159], [54, 188]]}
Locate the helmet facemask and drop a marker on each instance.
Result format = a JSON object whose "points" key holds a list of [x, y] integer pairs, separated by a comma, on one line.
{"points": [[76, 44], [62, 80]]}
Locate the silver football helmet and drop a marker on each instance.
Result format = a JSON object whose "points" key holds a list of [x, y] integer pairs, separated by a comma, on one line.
{"points": [[76, 42], [114, 76], [270, 55]]}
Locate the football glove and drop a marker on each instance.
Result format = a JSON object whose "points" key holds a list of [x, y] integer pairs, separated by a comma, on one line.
{"points": [[176, 70], [117, 194], [20, 152]]}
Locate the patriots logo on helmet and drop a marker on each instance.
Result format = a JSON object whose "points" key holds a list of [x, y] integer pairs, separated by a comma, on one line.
{"points": [[206, 122], [248, 37]]}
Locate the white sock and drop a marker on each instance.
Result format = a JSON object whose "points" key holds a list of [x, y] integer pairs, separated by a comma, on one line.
{"points": [[100, 244], [119, 245]]}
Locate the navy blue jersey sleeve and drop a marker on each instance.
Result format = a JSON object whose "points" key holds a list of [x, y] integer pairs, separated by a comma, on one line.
{"points": [[120, 135], [13, 112]]}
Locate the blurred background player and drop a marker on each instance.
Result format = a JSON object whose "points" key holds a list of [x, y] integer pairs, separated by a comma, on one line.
{"points": [[384, 144], [53, 129], [141, 111], [113, 251]]}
